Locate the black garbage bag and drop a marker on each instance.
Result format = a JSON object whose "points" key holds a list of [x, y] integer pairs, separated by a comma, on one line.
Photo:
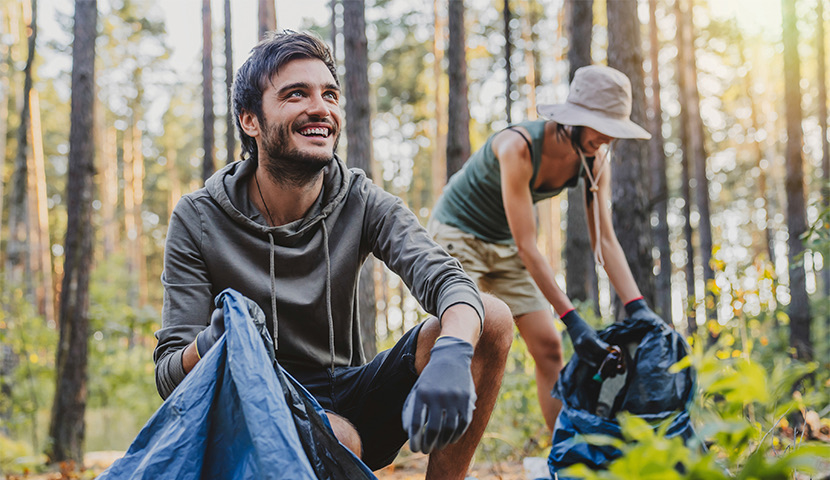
{"points": [[239, 416], [649, 390]]}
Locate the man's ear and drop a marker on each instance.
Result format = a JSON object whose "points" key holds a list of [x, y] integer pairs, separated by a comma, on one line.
{"points": [[249, 123]]}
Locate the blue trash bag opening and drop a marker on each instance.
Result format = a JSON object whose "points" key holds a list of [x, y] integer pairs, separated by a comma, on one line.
{"points": [[650, 391], [238, 415]]}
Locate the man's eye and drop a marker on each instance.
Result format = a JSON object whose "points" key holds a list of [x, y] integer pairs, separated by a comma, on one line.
{"points": [[331, 95]]}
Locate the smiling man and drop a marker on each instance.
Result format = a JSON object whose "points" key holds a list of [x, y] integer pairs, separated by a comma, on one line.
{"points": [[289, 226]]}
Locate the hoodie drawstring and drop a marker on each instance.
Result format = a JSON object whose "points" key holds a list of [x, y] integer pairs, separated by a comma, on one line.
{"points": [[273, 293], [328, 293]]}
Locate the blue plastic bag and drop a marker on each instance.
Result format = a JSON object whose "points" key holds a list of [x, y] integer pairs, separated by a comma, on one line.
{"points": [[650, 391], [237, 415]]}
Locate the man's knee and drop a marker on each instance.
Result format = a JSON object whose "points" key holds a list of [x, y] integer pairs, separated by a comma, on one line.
{"points": [[498, 324], [346, 433]]}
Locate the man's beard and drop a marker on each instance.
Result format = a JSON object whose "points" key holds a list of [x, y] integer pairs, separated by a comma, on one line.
{"points": [[288, 165]]}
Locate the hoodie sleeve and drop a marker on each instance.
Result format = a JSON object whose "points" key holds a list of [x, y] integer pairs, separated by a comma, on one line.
{"points": [[435, 278], [188, 300]]}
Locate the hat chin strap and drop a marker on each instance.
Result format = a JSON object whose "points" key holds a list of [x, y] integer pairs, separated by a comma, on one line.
{"points": [[594, 188]]}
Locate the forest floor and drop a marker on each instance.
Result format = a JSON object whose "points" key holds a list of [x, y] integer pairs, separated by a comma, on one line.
{"points": [[410, 467]]}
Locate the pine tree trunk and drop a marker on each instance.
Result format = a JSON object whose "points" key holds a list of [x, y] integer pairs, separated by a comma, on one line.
{"points": [[17, 267], [629, 182], [698, 159], [207, 91], [659, 181], [230, 125], [267, 17], [139, 259], [825, 148], [439, 149], [359, 149], [109, 191], [333, 25], [686, 192], [458, 120], [42, 246], [799, 309], [580, 271], [67, 426]]}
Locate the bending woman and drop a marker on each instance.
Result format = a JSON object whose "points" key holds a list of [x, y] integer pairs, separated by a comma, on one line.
{"points": [[485, 216]]}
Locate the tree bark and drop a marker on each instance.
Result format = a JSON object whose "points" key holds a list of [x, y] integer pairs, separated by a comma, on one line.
{"points": [[580, 270], [439, 149], [458, 120], [207, 91], [659, 181], [825, 148], [629, 190], [682, 51], [267, 17], [230, 125], [799, 308], [17, 247], [67, 426], [42, 247], [698, 161], [359, 149]]}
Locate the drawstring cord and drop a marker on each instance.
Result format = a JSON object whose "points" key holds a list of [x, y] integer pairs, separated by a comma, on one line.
{"points": [[328, 293], [594, 188], [273, 293]]}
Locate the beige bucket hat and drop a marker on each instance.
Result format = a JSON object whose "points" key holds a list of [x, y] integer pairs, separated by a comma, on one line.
{"points": [[599, 98]]}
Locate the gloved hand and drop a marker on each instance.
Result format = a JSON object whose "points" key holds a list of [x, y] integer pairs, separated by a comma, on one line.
{"points": [[440, 406], [207, 337], [607, 359], [640, 308], [587, 343]]}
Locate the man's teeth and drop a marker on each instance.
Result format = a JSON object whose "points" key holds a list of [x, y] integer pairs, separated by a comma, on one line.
{"points": [[315, 131]]}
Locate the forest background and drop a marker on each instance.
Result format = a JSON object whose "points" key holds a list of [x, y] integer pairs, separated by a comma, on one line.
{"points": [[723, 213]]}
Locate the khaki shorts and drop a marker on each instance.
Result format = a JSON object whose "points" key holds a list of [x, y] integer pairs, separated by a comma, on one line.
{"points": [[496, 268]]}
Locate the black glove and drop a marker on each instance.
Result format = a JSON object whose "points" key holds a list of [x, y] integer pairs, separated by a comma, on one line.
{"points": [[635, 306], [440, 406], [640, 309], [607, 359], [207, 337]]}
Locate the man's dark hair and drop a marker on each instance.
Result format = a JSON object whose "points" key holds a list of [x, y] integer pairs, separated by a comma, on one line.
{"points": [[265, 60]]}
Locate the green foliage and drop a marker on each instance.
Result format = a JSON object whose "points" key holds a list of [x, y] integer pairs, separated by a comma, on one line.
{"points": [[739, 410], [18, 456]]}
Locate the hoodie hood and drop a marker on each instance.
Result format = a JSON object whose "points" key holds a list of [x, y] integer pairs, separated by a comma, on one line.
{"points": [[229, 187]]}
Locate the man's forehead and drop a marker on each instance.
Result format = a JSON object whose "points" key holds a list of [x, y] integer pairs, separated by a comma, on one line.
{"points": [[301, 67]]}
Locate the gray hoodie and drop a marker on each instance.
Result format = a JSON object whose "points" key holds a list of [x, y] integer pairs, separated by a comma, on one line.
{"points": [[303, 275]]}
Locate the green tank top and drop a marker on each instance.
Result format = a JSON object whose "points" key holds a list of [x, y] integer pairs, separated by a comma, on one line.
{"points": [[472, 201]]}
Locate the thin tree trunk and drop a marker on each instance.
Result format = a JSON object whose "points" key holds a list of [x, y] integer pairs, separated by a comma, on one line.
{"points": [[530, 60], [109, 191], [659, 182], [508, 65], [686, 192], [458, 120], [67, 426], [359, 148], [580, 271], [207, 91], [825, 148], [139, 259], [17, 246], [698, 162], [439, 149], [5, 91], [230, 126], [629, 182], [799, 309], [267, 17], [44, 289], [333, 7]]}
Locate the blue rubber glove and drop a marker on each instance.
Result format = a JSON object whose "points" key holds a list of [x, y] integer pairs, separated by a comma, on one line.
{"points": [[587, 344], [440, 406], [207, 337]]}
